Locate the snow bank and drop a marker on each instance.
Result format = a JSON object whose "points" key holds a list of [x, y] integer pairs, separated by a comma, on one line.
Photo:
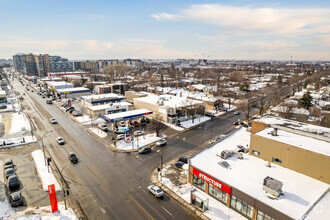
{"points": [[197, 121], [143, 141], [46, 178], [98, 132], [19, 124]]}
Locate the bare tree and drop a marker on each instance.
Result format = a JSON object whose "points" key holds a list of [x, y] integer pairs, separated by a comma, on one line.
{"points": [[157, 125]]}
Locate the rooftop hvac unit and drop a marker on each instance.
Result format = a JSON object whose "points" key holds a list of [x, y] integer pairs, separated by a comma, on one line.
{"points": [[224, 164], [225, 154], [272, 186], [274, 132]]}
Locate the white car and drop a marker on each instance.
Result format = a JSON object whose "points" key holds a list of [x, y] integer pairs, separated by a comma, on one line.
{"points": [[53, 121], [237, 113], [161, 142], [120, 136], [158, 192], [138, 133], [60, 141]]}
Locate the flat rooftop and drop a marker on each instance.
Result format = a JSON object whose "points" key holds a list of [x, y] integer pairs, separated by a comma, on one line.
{"points": [[102, 96], [170, 100], [76, 89], [103, 107], [248, 174], [297, 140], [126, 115]]}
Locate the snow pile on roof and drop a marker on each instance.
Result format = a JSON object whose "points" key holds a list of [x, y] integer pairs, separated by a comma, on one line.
{"points": [[168, 101], [46, 178], [296, 125], [19, 124], [296, 200], [307, 143]]}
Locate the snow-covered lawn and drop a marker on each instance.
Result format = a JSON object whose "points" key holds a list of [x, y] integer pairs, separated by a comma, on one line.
{"points": [[216, 210], [85, 119], [232, 107], [98, 132], [12, 142], [47, 178], [19, 124], [189, 123], [31, 213], [142, 140]]}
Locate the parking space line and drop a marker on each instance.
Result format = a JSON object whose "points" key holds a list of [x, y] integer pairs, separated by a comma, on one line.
{"points": [[142, 208]]}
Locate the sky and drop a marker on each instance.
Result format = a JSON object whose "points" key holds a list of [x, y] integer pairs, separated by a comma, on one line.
{"points": [[167, 29]]}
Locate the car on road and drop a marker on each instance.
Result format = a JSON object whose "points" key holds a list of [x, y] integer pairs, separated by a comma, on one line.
{"points": [[53, 121], [49, 101], [145, 150], [120, 136], [183, 159], [73, 158], [179, 164], [60, 141], [138, 133], [237, 113], [161, 142], [9, 172], [236, 123], [13, 182], [16, 199], [76, 114], [8, 164], [156, 191]]}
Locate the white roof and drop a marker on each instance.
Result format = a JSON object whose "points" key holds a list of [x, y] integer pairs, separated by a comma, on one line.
{"points": [[304, 142], [59, 83], [101, 107], [248, 174], [170, 100], [101, 96], [123, 115], [83, 89]]}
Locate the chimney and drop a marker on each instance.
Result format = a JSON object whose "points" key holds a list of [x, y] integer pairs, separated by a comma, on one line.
{"points": [[180, 94], [275, 131]]}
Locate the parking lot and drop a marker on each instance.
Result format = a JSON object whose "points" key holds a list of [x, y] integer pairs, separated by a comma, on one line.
{"points": [[30, 184]]}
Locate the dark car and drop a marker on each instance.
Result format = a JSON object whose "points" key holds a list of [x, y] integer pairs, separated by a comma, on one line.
{"points": [[147, 120], [179, 164], [77, 114], [69, 108], [16, 199], [49, 101], [136, 123], [73, 158], [3, 107], [183, 159], [8, 163], [9, 172], [145, 150], [235, 123], [13, 182]]}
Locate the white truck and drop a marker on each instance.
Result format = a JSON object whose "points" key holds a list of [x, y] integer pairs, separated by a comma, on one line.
{"points": [[103, 127]]}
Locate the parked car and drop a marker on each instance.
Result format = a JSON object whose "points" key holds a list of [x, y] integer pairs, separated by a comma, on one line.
{"points": [[60, 141], [183, 159], [161, 142], [138, 133], [122, 124], [9, 172], [8, 164], [136, 123], [147, 120], [43, 96], [69, 108], [179, 164], [73, 158], [236, 123], [75, 113], [49, 101], [53, 121], [156, 191], [120, 136], [16, 199], [237, 113], [3, 107], [145, 150], [64, 105], [103, 127], [121, 130], [13, 182]]}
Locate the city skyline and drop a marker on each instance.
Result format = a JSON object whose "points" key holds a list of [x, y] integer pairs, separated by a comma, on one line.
{"points": [[167, 29]]}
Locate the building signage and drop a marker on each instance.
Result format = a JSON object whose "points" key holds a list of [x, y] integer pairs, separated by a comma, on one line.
{"points": [[127, 135], [52, 197], [212, 181], [69, 103]]}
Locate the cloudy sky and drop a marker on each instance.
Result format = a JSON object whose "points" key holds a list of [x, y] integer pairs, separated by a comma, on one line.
{"points": [[228, 29]]}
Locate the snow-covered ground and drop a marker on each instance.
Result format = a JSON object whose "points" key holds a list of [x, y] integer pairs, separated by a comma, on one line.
{"points": [[12, 142], [197, 121], [142, 140], [47, 178], [38, 213], [216, 210], [232, 107], [85, 119], [19, 124], [98, 132]]}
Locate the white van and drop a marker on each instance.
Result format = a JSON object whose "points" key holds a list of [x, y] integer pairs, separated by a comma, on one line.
{"points": [[120, 130], [103, 127]]}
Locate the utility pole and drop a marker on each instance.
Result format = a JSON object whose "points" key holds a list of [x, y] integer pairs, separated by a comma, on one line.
{"points": [[43, 146], [161, 167]]}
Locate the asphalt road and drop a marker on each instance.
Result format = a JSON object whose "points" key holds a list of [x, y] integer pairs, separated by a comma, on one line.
{"points": [[111, 185]]}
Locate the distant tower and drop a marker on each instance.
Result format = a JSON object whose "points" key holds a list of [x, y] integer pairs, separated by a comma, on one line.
{"points": [[291, 59]]}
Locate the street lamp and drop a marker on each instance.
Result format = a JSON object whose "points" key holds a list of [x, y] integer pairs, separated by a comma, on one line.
{"points": [[65, 192], [43, 147]]}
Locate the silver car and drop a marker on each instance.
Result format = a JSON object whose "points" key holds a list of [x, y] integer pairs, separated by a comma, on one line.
{"points": [[158, 192], [60, 141]]}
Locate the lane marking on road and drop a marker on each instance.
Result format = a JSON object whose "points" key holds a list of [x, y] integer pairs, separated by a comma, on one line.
{"points": [[167, 211], [83, 198], [88, 203], [142, 208], [83, 149], [102, 209]]}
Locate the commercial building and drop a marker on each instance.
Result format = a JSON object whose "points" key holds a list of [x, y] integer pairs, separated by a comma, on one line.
{"points": [[130, 95], [228, 172], [73, 92], [99, 110], [119, 88], [171, 109], [3, 96], [93, 100], [55, 85]]}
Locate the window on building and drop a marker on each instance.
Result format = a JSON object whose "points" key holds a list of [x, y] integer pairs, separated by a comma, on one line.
{"points": [[276, 160], [200, 183], [217, 193], [241, 207], [256, 152], [263, 216]]}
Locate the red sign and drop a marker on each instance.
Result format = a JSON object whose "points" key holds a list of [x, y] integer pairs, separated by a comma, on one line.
{"points": [[212, 181], [69, 103], [52, 197]]}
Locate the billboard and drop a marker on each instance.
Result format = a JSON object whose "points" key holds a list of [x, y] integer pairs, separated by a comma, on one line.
{"points": [[52, 197]]}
